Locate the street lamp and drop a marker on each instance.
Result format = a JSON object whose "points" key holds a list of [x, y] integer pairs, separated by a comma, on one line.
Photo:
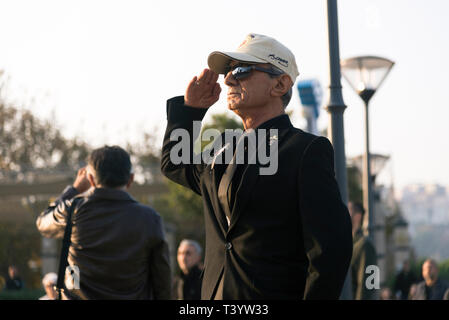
{"points": [[365, 75], [377, 163]]}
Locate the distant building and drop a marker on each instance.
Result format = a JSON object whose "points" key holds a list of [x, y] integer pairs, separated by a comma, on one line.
{"points": [[425, 204], [426, 208]]}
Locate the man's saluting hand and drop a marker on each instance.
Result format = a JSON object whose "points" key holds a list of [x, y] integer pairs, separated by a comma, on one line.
{"points": [[203, 91]]}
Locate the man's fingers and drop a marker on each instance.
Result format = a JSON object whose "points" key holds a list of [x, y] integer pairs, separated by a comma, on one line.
{"points": [[216, 91], [207, 77], [215, 77], [203, 90], [210, 77], [192, 82], [203, 76]]}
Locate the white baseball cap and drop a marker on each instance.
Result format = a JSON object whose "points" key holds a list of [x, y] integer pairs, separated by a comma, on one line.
{"points": [[256, 48]]}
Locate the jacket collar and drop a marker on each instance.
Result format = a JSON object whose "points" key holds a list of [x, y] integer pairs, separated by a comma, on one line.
{"points": [[280, 122], [194, 273], [110, 194]]}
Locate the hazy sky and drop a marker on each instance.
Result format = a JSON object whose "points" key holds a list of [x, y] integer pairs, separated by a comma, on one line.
{"points": [[106, 68]]}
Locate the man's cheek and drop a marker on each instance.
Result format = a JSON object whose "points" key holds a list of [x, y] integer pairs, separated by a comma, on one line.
{"points": [[234, 100]]}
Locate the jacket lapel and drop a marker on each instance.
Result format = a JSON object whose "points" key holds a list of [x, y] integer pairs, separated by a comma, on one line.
{"points": [[216, 174], [251, 173], [249, 179]]}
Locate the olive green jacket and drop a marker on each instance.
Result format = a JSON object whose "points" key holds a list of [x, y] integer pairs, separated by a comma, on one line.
{"points": [[363, 255]]}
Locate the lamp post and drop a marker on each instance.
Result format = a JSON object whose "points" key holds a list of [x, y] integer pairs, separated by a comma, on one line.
{"points": [[336, 107], [365, 74]]}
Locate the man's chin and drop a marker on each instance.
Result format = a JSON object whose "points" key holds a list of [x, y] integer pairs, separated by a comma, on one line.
{"points": [[233, 106]]}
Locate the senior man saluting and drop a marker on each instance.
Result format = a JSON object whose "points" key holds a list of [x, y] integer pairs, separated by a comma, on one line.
{"points": [[285, 235]]}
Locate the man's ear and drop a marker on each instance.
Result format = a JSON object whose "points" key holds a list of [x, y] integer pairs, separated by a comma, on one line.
{"points": [[91, 179], [130, 181], [283, 84]]}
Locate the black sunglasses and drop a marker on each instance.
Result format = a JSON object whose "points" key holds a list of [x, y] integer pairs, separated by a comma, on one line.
{"points": [[240, 72]]}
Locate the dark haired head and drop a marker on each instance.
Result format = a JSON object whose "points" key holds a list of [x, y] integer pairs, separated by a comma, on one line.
{"points": [[111, 165]]}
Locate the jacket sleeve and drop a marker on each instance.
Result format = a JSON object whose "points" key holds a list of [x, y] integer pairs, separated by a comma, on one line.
{"points": [[178, 142], [160, 272], [326, 223], [51, 222]]}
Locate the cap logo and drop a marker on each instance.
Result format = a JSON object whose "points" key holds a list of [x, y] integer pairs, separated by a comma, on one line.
{"points": [[243, 43], [281, 61]]}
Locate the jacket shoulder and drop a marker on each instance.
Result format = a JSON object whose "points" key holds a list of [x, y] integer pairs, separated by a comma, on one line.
{"points": [[304, 141], [146, 211], [307, 137]]}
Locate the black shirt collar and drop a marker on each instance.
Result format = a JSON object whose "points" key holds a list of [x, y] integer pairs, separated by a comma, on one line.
{"points": [[280, 122]]}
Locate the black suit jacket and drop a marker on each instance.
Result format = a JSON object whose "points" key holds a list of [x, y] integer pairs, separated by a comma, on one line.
{"points": [[290, 233]]}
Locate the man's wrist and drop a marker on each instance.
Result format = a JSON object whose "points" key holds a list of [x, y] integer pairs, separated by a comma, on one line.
{"points": [[178, 110]]}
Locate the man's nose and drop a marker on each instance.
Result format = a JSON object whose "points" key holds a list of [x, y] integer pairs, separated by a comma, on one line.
{"points": [[229, 80]]}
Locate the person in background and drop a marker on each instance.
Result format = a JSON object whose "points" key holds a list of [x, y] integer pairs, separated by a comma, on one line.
{"points": [[404, 279], [412, 292], [49, 281], [364, 254], [187, 285], [386, 294], [432, 288], [13, 282], [118, 244]]}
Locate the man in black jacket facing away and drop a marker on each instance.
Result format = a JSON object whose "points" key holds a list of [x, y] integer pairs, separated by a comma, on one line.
{"points": [[283, 234], [117, 243]]}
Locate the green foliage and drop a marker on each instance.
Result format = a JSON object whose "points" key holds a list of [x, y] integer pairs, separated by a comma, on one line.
{"points": [[20, 242], [29, 143], [24, 294], [444, 270], [145, 156], [223, 121], [355, 192], [182, 208]]}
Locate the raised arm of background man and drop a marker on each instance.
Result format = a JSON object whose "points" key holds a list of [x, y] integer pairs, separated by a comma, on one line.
{"points": [[51, 223]]}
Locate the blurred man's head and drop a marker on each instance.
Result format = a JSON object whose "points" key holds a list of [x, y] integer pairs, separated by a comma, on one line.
{"points": [[110, 167], [357, 213], [430, 271], [386, 294], [49, 281], [189, 255], [13, 272]]}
